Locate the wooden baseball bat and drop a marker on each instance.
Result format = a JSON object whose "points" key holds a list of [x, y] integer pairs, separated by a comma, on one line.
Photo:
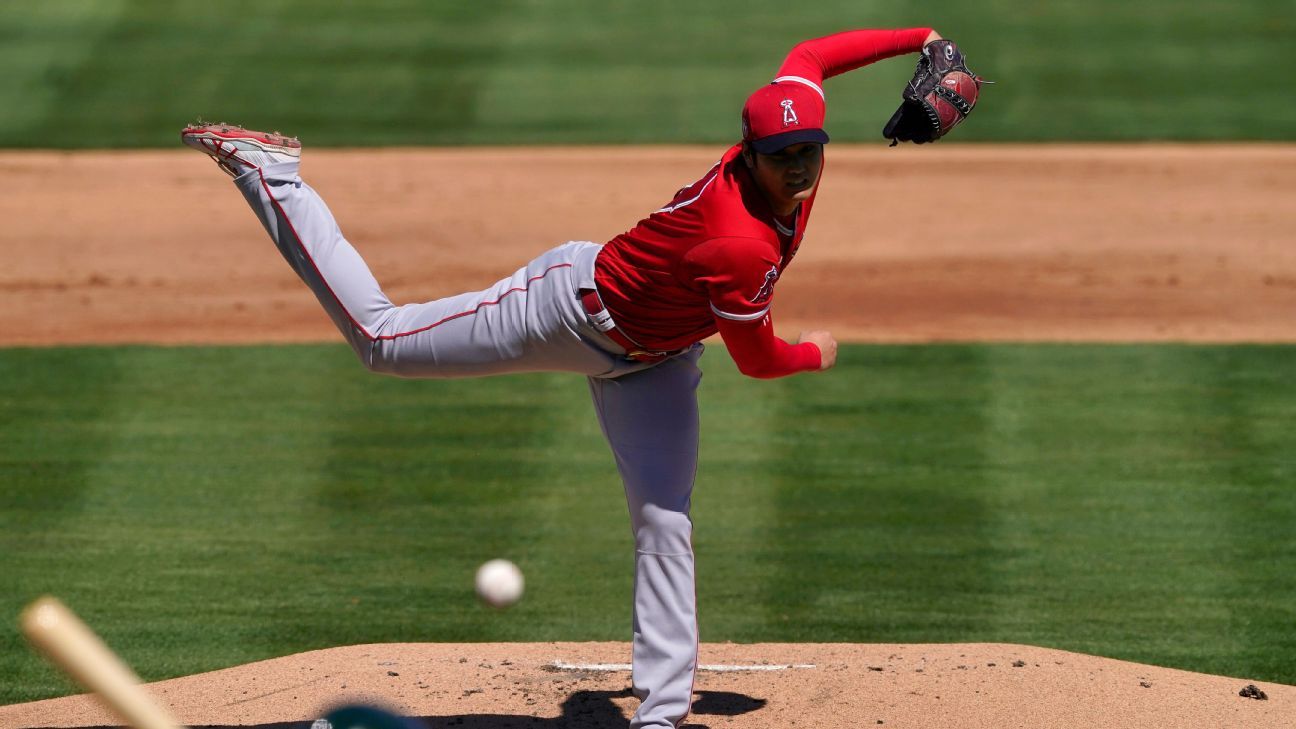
{"points": [[72, 646]]}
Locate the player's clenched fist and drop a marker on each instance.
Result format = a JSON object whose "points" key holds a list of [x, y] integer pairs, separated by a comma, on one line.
{"points": [[826, 344]]}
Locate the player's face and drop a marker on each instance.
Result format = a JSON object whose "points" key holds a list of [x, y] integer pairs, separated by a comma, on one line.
{"points": [[790, 175]]}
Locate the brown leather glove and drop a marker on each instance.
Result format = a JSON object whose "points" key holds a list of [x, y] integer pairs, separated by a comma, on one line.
{"points": [[939, 96]]}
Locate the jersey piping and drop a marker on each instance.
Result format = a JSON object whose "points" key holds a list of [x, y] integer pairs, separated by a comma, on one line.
{"points": [[800, 80], [695, 198], [740, 317]]}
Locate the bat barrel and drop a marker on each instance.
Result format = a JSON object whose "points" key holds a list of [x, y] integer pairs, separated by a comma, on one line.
{"points": [[71, 645]]}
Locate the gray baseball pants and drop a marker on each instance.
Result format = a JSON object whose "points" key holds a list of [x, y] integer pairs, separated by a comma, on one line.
{"points": [[533, 321]]}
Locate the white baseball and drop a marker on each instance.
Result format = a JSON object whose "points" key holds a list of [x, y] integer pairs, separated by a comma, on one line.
{"points": [[499, 583]]}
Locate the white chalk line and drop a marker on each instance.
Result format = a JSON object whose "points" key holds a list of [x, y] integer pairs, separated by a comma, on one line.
{"points": [[718, 668]]}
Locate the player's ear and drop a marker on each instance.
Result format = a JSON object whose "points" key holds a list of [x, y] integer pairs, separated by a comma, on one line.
{"points": [[747, 156]]}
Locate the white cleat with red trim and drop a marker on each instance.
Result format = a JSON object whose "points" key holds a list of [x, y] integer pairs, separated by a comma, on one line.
{"points": [[238, 150]]}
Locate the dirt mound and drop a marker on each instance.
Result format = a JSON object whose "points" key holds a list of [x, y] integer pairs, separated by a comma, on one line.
{"points": [[1052, 242], [586, 686]]}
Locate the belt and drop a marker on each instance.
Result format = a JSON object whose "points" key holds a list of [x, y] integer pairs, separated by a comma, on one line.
{"points": [[602, 321]]}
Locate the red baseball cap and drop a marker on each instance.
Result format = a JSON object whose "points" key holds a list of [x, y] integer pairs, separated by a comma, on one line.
{"points": [[787, 111]]}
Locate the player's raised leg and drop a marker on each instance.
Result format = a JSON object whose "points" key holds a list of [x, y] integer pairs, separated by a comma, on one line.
{"points": [[650, 419], [525, 322]]}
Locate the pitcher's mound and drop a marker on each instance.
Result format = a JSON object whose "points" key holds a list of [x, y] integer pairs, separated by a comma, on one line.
{"points": [[587, 685]]}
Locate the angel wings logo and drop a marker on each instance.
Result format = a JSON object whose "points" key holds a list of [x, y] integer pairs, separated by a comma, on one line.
{"points": [[789, 115], [767, 288]]}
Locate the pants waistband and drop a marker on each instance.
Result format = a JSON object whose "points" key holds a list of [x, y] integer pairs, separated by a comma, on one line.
{"points": [[602, 320]]}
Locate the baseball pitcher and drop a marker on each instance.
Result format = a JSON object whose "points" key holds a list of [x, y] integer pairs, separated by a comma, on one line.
{"points": [[628, 314]]}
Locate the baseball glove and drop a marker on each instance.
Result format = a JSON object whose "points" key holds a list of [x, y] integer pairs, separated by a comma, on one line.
{"points": [[941, 94]]}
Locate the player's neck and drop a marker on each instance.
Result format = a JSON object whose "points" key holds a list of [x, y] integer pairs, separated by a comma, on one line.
{"points": [[780, 208], [783, 211]]}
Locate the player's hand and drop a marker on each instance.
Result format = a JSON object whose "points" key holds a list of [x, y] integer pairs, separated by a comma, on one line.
{"points": [[826, 344]]}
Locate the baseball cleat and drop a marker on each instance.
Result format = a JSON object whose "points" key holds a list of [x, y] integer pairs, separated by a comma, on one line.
{"points": [[238, 150]]}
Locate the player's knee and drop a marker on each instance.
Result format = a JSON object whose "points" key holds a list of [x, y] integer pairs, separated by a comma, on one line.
{"points": [[372, 355], [663, 531], [379, 365], [376, 359], [376, 362], [367, 358]]}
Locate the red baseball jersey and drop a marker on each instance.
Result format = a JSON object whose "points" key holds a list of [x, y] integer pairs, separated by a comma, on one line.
{"points": [[708, 261], [715, 250]]}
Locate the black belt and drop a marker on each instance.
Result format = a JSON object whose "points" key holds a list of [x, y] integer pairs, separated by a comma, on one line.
{"points": [[602, 321]]}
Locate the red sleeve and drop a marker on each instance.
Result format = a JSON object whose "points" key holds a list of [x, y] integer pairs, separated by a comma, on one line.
{"points": [[821, 58], [758, 353], [738, 275]]}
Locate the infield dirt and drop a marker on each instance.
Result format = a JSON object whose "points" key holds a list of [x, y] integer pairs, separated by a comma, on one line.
{"points": [[963, 243], [580, 686], [966, 243]]}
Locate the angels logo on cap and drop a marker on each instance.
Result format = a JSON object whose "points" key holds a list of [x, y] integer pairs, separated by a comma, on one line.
{"points": [[788, 111], [789, 116]]}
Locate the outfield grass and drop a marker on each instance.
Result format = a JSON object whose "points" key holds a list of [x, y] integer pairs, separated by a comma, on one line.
{"points": [[112, 73], [204, 507]]}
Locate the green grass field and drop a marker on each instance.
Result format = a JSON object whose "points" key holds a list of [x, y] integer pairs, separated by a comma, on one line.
{"points": [[113, 73], [204, 507]]}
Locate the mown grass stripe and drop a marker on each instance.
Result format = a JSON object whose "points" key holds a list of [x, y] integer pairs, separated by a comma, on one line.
{"points": [[735, 513], [1088, 499], [45, 47], [1248, 445], [55, 428], [196, 503], [882, 522], [576, 532]]}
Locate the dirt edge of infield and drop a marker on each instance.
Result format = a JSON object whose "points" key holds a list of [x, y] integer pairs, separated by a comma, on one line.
{"points": [[587, 685]]}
